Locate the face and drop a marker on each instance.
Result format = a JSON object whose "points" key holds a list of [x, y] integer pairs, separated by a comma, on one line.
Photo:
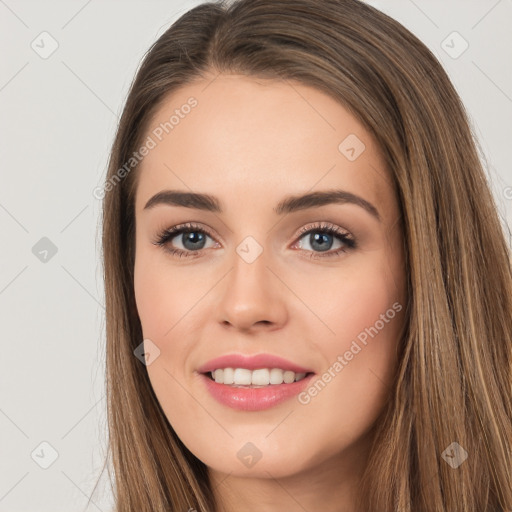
{"points": [[319, 283]]}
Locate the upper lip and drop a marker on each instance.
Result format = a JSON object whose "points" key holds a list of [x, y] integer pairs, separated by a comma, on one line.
{"points": [[253, 362]]}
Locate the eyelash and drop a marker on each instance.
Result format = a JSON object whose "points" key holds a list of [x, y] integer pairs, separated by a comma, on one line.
{"points": [[167, 234]]}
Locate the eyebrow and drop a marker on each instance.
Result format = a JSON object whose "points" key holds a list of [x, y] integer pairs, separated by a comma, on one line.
{"points": [[289, 204]]}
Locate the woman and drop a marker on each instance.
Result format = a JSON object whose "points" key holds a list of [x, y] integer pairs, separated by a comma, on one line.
{"points": [[308, 290]]}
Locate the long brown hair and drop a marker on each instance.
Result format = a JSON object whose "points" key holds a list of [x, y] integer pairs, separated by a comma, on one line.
{"points": [[454, 380]]}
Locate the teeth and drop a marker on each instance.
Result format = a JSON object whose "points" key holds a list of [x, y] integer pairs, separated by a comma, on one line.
{"points": [[276, 376], [229, 376], [260, 377]]}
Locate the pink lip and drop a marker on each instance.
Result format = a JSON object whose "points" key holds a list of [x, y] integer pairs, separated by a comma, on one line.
{"points": [[251, 363], [254, 399]]}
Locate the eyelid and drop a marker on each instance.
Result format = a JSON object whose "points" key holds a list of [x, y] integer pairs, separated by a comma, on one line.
{"points": [[167, 234], [321, 226]]}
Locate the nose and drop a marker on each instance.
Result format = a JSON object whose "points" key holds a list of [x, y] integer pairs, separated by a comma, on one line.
{"points": [[252, 296]]}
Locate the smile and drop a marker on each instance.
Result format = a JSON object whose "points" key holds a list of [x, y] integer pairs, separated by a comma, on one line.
{"points": [[260, 377]]}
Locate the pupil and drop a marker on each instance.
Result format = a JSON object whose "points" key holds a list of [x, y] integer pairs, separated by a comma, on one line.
{"points": [[194, 238], [320, 238]]}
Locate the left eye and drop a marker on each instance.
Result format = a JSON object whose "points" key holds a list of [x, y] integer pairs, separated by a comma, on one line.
{"points": [[319, 237], [193, 238], [320, 240]]}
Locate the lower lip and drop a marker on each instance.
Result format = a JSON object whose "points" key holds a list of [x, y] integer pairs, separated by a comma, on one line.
{"points": [[254, 399]]}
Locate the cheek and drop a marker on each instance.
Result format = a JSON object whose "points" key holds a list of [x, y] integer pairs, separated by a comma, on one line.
{"points": [[364, 311], [348, 301], [163, 296], [153, 299]]}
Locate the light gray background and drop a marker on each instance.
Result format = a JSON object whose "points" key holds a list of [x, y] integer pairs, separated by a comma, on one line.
{"points": [[58, 116]]}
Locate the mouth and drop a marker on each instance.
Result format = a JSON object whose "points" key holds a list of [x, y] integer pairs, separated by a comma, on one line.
{"points": [[254, 390], [258, 378]]}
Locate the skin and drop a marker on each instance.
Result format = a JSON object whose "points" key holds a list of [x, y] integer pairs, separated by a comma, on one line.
{"points": [[251, 142]]}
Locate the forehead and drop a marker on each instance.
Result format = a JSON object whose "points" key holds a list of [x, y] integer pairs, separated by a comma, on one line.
{"points": [[243, 137]]}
